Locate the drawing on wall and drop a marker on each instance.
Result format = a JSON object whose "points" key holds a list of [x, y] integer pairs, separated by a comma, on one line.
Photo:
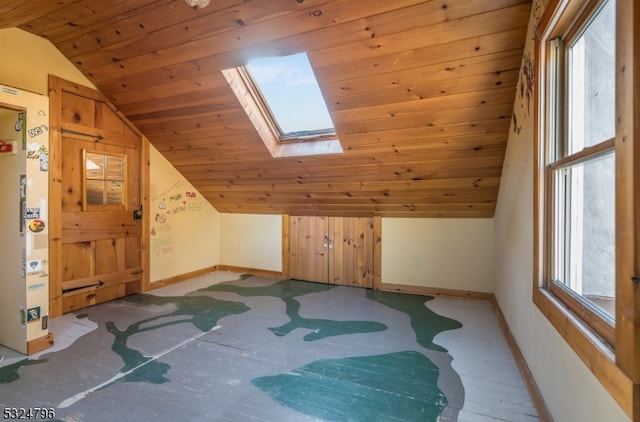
{"points": [[192, 203], [34, 151], [522, 107], [168, 206], [516, 127], [525, 92], [538, 8], [161, 240], [527, 80]]}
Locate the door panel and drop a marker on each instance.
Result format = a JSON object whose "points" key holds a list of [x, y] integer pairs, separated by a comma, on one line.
{"points": [[351, 258], [110, 255], [97, 248], [308, 258], [133, 252], [77, 260]]}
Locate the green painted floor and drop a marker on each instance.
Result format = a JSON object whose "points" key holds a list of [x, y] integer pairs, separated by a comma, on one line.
{"points": [[259, 349]]}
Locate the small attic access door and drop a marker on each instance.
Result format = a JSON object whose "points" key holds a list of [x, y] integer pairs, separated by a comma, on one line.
{"points": [[335, 250], [96, 252]]}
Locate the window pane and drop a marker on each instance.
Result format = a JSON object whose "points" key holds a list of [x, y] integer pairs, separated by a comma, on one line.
{"points": [[585, 242], [591, 68], [115, 167], [292, 93], [95, 192], [115, 193], [105, 179], [94, 166]]}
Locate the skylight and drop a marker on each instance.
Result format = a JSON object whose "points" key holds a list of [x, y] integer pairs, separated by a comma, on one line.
{"points": [[283, 101], [291, 92]]}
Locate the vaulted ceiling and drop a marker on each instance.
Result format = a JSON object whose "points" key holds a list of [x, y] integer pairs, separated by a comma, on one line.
{"points": [[421, 94]]}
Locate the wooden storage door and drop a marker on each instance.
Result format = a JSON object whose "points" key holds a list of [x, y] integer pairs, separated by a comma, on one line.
{"points": [[308, 256], [336, 250], [351, 255], [96, 248]]}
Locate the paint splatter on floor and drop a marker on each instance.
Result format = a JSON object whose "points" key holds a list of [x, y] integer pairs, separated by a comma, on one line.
{"points": [[9, 373], [201, 311], [426, 323], [287, 290], [397, 386]]}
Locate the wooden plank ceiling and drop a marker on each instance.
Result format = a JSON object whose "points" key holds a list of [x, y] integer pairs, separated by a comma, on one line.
{"points": [[420, 92]]}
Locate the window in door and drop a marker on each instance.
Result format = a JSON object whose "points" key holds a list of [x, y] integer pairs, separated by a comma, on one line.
{"points": [[104, 181]]}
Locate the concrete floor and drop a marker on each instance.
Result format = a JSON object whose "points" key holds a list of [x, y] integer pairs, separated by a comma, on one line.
{"points": [[228, 347]]}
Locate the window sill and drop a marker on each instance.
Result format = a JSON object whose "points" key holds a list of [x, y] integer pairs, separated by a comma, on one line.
{"points": [[298, 149], [593, 351]]}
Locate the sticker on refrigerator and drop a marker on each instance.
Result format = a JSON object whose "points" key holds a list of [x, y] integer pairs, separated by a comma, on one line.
{"points": [[33, 314], [36, 226]]}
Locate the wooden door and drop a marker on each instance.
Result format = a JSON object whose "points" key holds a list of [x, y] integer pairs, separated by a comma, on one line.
{"points": [[336, 250], [351, 251], [95, 193], [308, 251]]}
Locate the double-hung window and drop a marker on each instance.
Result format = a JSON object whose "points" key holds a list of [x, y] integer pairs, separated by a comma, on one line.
{"points": [[586, 186], [580, 167]]}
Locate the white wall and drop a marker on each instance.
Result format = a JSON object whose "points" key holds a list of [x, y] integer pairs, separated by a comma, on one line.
{"points": [[251, 241], [444, 253], [569, 389], [27, 59], [185, 228]]}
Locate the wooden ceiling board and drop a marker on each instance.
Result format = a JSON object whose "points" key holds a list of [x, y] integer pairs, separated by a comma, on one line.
{"points": [[421, 94]]}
